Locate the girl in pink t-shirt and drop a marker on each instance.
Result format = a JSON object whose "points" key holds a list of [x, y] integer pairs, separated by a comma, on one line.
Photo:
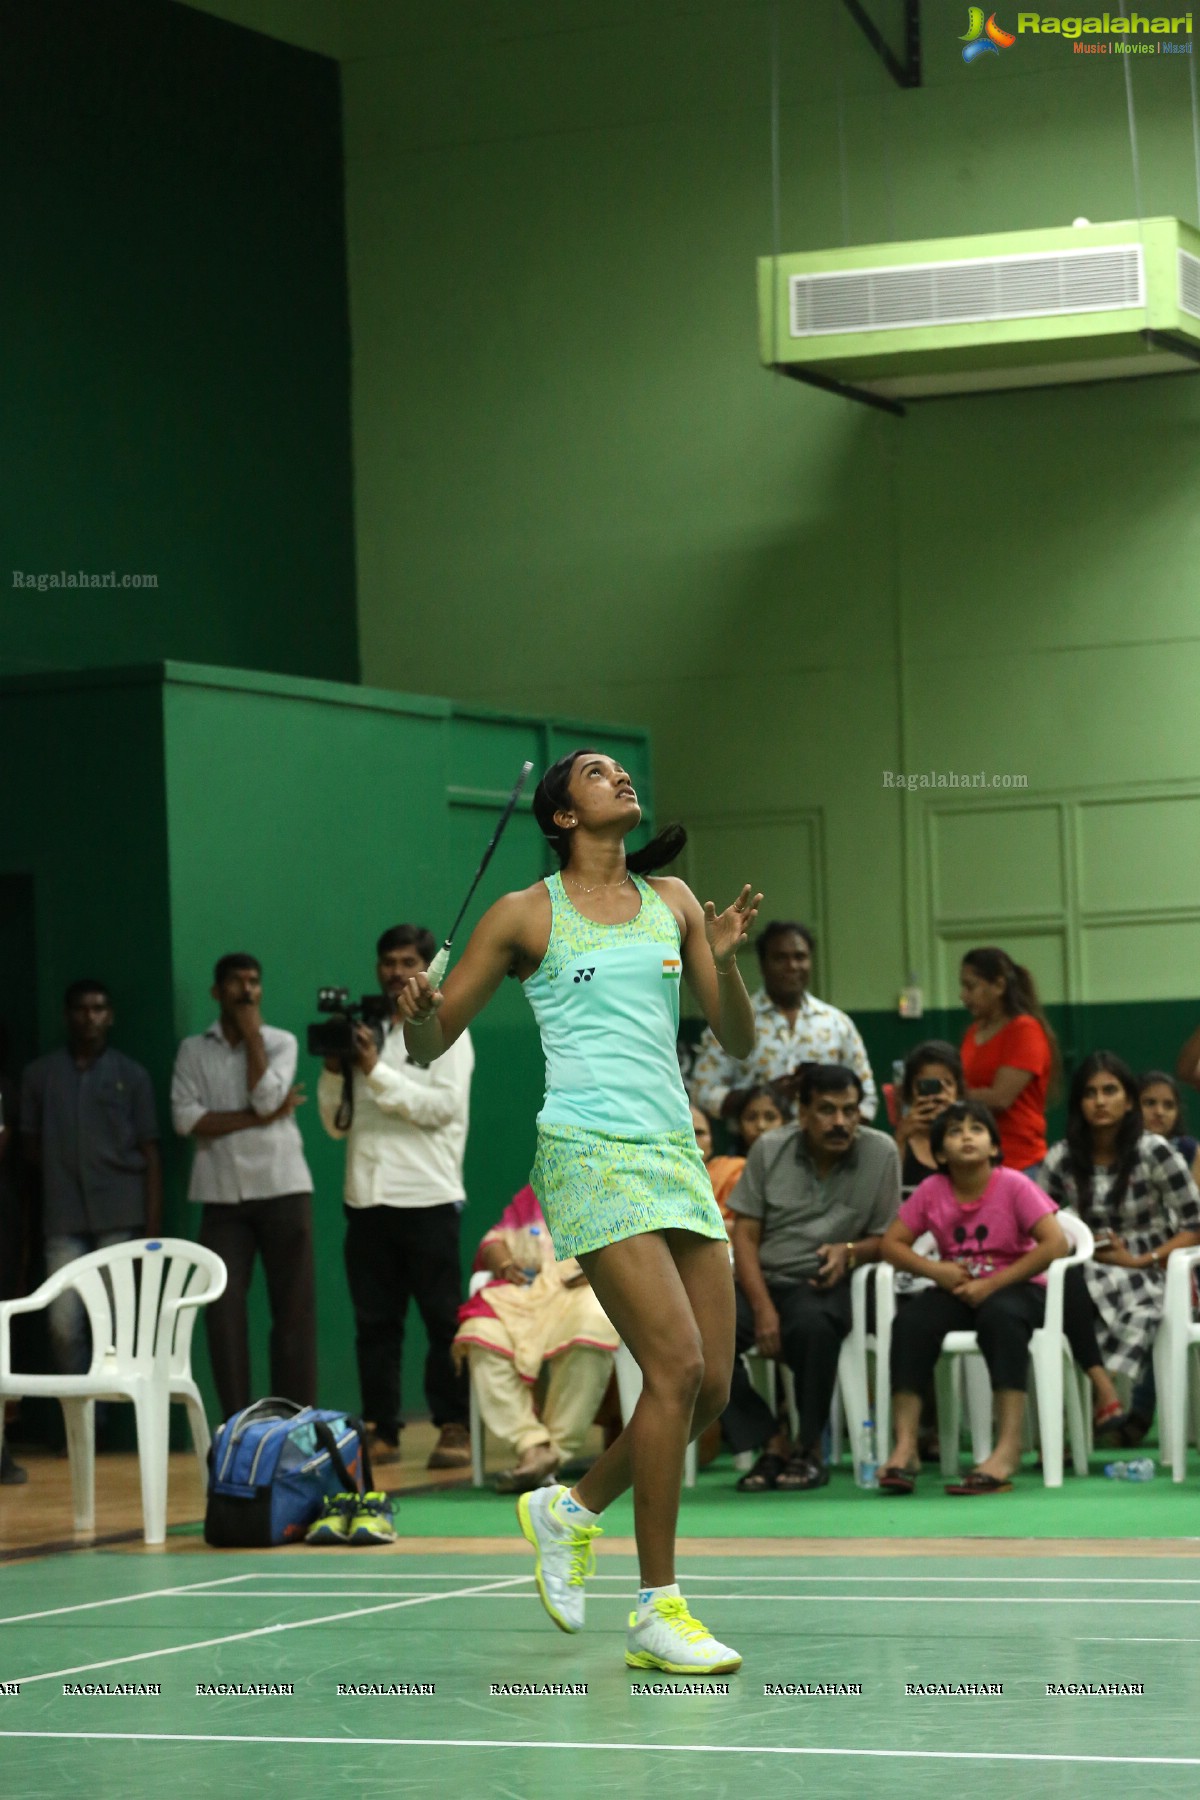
{"points": [[996, 1232]]}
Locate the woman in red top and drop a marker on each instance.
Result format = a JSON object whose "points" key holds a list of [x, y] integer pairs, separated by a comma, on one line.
{"points": [[1009, 1053]]}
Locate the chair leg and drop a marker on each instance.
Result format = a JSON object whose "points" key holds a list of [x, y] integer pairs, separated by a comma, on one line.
{"points": [[1046, 1356], [79, 1417], [1076, 1405], [979, 1406], [152, 1406], [476, 1440], [201, 1437], [1171, 1373], [949, 1418]]}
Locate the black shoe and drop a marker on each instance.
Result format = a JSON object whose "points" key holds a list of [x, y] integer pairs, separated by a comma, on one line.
{"points": [[11, 1473]]}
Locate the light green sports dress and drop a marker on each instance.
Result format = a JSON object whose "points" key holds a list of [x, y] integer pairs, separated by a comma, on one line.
{"points": [[616, 1153]]}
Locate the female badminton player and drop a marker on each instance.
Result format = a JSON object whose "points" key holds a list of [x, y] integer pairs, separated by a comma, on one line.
{"points": [[599, 950]]}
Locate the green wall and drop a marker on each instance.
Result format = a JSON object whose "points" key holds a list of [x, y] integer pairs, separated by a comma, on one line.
{"points": [[174, 346], [567, 453], [180, 812]]}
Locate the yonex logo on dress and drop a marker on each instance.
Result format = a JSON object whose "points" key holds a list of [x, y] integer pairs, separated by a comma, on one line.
{"points": [[583, 975]]}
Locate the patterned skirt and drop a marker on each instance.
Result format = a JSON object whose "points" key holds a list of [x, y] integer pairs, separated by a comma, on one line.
{"points": [[596, 1188]]}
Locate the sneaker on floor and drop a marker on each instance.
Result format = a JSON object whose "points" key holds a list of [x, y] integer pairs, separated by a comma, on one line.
{"points": [[383, 1446], [566, 1554], [372, 1521], [332, 1523], [452, 1450], [668, 1637]]}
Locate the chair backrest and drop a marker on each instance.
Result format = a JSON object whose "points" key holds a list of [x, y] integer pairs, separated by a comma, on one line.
{"points": [[125, 1290], [1082, 1241]]}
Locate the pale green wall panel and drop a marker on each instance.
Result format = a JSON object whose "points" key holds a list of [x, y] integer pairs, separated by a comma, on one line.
{"points": [[1011, 855], [1043, 953], [1139, 853], [1153, 960]]}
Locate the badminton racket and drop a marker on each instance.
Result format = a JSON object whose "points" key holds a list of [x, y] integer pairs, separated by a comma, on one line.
{"points": [[441, 961]]}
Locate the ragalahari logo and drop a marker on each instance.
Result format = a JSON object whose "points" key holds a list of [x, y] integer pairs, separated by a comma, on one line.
{"points": [[984, 39]]}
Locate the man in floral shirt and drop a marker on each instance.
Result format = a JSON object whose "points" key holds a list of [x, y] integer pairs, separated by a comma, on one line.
{"points": [[791, 1027]]}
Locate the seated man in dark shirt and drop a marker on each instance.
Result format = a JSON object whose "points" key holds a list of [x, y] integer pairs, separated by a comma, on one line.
{"points": [[88, 1124], [812, 1204]]}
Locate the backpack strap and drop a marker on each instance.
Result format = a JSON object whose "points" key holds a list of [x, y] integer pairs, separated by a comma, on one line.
{"points": [[324, 1436]]}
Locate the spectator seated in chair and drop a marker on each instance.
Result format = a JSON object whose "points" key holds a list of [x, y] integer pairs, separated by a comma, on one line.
{"points": [[1136, 1192], [534, 1311], [812, 1204], [996, 1233]]}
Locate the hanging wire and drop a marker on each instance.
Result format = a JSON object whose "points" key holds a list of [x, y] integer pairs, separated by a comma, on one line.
{"points": [[776, 227], [1195, 125], [840, 28], [1133, 142]]}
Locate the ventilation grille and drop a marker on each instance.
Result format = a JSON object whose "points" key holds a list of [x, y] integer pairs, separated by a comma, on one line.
{"points": [[1189, 283], [960, 293]]}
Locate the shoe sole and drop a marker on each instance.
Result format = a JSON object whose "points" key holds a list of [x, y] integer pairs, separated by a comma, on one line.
{"points": [[328, 1537], [371, 1537], [641, 1659], [530, 1536]]}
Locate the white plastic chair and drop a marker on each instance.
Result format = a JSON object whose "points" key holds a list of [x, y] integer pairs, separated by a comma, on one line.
{"points": [[1176, 1358], [141, 1301], [1052, 1371], [629, 1387], [851, 1401]]}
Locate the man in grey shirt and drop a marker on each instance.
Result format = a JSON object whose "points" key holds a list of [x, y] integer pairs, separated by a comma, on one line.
{"points": [[88, 1124], [812, 1204]]}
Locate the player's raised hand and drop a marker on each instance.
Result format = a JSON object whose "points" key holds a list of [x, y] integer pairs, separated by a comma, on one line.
{"points": [[726, 931]]}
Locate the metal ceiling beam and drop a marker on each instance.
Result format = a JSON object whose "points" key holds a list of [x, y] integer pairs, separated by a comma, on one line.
{"points": [[906, 74], [829, 386]]}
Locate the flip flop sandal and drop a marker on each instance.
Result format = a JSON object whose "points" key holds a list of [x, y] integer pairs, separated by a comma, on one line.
{"points": [[899, 1481], [978, 1483], [801, 1474], [763, 1476]]}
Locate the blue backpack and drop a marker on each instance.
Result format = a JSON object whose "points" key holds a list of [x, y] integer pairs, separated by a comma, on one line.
{"points": [[271, 1466]]}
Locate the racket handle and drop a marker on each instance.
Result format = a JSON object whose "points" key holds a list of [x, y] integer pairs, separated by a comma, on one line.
{"points": [[435, 974]]}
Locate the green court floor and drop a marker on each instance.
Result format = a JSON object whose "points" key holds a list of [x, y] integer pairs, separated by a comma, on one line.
{"points": [[467, 1625]]}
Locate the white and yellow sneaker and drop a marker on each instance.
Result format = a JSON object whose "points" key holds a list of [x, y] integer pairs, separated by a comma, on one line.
{"points": [[667, 1637], [565, 1551]]}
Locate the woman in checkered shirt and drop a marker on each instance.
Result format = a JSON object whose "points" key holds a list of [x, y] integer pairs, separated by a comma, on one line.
{"points": [[1137, 1194]]}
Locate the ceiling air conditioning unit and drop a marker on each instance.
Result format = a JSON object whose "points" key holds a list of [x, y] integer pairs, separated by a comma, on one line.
{"points": [[887, 323]]}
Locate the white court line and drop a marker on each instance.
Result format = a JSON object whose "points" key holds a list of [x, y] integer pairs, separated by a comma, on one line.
{"points": [[690, 1576], [124, 1599], [1133, 1640], [574, 1744], [750, 1599], [261, 1631]]}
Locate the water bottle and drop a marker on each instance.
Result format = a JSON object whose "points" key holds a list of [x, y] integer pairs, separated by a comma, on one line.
{"points": [[1141, 1469], [868, 1467], [528, 1252]]}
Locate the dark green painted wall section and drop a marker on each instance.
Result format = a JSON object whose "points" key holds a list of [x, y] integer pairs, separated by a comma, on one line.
{"points": [[174, 342], [181, 811]]}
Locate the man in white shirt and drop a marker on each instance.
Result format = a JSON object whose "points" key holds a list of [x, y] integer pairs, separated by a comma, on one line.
{"points": [[406, 1135], [233, 1092], [792, 1027]]}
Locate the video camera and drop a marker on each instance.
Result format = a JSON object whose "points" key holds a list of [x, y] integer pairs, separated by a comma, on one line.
{"points": [[334, 1035]]}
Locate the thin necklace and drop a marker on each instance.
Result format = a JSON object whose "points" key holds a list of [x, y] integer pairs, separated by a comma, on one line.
{"points": [[599, 884]]}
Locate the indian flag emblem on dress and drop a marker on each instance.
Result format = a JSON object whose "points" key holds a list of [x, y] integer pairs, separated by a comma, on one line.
{"points": [[671, 966]]}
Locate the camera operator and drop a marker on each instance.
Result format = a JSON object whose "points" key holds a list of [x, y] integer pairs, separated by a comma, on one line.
{"points": [[404, 1191], [232, 1092]]}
